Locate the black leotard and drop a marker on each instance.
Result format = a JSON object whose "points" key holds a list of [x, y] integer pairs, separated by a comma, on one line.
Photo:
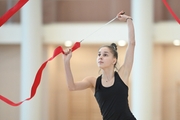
{"points": [[113, 100]]}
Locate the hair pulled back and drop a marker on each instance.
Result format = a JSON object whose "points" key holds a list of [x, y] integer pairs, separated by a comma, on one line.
{"points": [[113, 49]]}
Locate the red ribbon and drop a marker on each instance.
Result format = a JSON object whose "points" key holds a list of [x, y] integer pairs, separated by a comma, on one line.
{"points": [[37, 79], [171, 11], [12, 11]]}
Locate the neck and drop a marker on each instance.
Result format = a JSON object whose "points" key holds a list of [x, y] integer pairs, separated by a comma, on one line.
{"points": [[108, 74], [108, 71]]}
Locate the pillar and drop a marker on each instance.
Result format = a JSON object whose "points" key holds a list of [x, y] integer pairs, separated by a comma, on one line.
{"points": [[31, 51], [142, 84]]}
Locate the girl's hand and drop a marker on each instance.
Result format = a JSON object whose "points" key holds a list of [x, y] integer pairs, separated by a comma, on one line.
{"points": [[67, 55], [122, 17]]}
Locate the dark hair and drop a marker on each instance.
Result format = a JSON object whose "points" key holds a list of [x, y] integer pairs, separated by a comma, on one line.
{"points": [[113, 49]]}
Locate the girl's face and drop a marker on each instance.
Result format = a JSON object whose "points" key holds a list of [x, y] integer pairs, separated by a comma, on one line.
{"points": [[105, 58]]}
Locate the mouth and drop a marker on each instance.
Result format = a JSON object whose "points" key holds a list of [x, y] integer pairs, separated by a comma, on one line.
{"points": [[100, 62]]}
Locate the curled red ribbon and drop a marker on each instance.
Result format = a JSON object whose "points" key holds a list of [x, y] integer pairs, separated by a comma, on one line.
{"points": [[12, 11], [171, 11], [37, 79]]}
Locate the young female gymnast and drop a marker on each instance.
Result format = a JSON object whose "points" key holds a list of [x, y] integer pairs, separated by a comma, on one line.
{"points": [[110, 88]]}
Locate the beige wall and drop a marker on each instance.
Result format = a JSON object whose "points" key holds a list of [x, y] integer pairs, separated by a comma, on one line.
{"points": [[171, 77], [9, 80], [66, 105]]}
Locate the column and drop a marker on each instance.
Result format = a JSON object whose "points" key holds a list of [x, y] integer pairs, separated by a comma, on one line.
{"points": [[142, 79], [31, 52]]}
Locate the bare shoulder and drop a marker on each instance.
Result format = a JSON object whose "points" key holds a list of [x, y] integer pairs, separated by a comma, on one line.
{"points": [[91, 79]]}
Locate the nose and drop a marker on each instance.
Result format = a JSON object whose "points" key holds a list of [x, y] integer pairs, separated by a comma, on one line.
{"points": [[100, 57]]}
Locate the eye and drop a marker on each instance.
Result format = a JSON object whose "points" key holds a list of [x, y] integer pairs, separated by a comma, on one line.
{"points": [[99, 54], [105, 55]]}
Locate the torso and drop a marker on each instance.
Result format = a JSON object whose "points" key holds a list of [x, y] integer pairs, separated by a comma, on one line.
{"points": [[108, 84], [112, 99]]}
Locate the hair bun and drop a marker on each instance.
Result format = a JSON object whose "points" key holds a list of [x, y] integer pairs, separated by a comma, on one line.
{"points": [[114, 46]]}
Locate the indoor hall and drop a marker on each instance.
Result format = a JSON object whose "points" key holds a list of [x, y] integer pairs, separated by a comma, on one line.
{"points": [[33, 33]]}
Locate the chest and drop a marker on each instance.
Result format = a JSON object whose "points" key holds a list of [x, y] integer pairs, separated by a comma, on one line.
{"points": [[117, 90]]}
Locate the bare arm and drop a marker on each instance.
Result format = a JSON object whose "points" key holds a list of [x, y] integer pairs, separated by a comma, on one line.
{"points": [[129, 57], [85, 83]]}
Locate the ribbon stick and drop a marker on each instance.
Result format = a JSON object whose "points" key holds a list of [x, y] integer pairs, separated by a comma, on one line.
{"points": [[99, 29], [37, 79], [12, 11]]}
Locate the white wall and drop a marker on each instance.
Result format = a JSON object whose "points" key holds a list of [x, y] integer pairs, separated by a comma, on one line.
{"points": [[57, 33]]}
